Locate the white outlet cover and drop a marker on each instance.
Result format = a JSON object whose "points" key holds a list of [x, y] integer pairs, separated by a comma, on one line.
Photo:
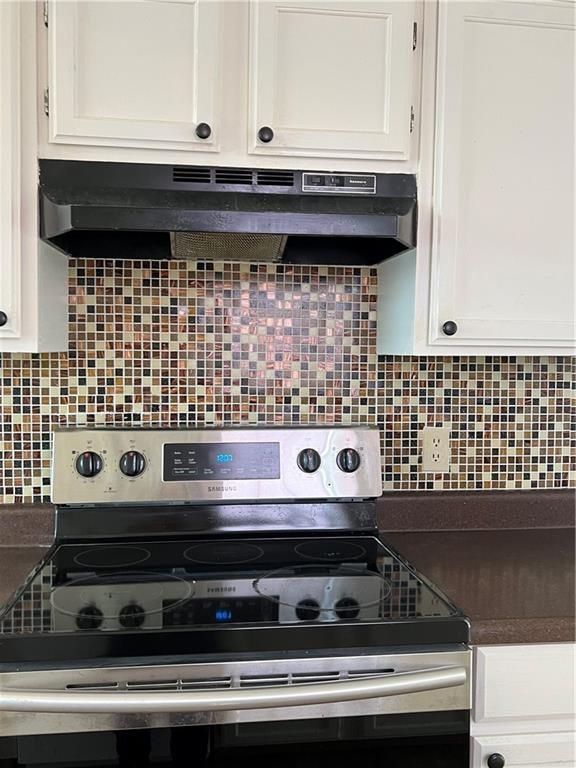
{"points": [[436, 449]]}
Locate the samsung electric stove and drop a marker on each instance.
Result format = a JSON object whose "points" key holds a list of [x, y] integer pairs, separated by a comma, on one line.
{"points": [[225, 577]]}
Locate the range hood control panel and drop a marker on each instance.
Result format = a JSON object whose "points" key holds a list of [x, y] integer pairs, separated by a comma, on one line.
{"points": [[344, 183]]}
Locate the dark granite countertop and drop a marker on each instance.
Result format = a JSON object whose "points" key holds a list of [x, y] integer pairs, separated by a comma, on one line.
{"points": [[516, 586], [26, 531], [476, 510], [15, 564], [26, 525]]}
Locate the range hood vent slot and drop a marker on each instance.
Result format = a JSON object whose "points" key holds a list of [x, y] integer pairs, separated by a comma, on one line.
{"points": [[191, 175], [234, 176], [275, 178]]}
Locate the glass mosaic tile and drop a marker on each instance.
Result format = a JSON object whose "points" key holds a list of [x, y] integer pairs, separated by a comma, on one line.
{"points": [[183, 343]]}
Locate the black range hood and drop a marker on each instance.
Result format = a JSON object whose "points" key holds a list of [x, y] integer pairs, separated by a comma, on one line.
{"points": [[129, 210]]}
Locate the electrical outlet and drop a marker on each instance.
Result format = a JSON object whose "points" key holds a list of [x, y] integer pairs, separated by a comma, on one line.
{"points": [[436, 449]]}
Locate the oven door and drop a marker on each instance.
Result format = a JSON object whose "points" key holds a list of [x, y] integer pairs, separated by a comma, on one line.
{"points": [[232, 692]]}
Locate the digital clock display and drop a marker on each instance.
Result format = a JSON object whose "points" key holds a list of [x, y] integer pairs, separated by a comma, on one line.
{"points": [[221, 461]]}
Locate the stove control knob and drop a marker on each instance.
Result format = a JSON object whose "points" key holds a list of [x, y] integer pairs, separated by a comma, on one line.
{"points": [[309, 460], [89, 464], [348, 460], [496, 761], [89, 617], [132, 464], [307, 610], [132, 616], [347, 608]]}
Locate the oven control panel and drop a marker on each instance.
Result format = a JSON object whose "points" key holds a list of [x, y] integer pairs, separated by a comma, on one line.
{"points": [[221, 461], [117, 465]]}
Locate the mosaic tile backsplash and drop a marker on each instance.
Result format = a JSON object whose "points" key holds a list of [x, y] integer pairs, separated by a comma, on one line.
{"points": [[211, 343]]}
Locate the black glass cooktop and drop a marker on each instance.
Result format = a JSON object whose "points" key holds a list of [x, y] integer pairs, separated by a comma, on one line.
{"points": [[104, 600]]}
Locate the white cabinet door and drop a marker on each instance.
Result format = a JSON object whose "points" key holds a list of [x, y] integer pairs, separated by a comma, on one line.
{"points": [[331, 79], [503, 226], [541, 750], [33, 280], [142, 73], [10, 173]]}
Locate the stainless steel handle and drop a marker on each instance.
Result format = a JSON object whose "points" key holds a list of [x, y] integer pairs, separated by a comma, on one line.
{"points": [[131, 702]]}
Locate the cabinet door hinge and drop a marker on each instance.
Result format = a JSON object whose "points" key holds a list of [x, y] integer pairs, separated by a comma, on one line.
{"points": [[45, 13], [414, 35], [411, 119], [47, 101]]}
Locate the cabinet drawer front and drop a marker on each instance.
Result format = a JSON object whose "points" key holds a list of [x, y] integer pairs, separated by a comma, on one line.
{"points": [[524, 681], [539, 750], [137, 74]]}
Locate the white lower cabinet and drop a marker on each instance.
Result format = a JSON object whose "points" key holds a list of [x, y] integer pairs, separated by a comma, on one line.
{"points": [[524, 706], [540, 750]]}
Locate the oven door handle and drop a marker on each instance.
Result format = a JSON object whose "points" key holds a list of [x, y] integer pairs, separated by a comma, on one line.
{"points": [[136, 702]]}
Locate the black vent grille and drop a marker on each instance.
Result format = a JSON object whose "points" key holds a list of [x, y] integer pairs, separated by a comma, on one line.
{"points": [[191, 175], [275, 178], [233, 176]]}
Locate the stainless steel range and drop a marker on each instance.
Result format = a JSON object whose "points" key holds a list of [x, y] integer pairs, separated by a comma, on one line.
{"points": [[226, 577]]}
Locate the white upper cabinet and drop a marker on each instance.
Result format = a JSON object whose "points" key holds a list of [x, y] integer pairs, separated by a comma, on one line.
{"points": [[33, 278], [503, 223], [331, 79], [10, 198], [493, 272], [133, 80], [143, 73]]}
